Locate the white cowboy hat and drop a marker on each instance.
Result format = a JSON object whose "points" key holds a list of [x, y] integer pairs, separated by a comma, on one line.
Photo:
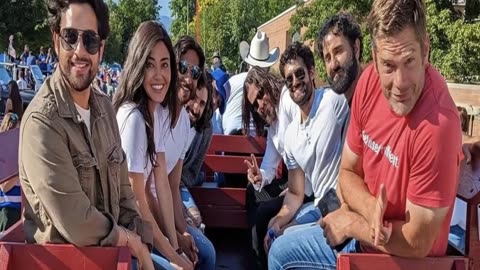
{"points": [[258, 54]]}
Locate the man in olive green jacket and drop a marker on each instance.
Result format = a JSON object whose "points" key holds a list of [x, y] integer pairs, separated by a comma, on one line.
{"points": [[71, 164]]}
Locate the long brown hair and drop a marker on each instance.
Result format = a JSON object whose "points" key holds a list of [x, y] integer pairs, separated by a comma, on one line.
{"points": [[10, 121], [271, 86], [130, 87], [16, 98]]}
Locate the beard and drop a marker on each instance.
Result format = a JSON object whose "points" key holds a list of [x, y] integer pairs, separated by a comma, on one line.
{"points": [[77, 82], [345, 80], [307, 90], [192, 116]]}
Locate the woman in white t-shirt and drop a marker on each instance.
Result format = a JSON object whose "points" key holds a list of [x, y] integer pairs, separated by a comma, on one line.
{"points": [[148, 81]]}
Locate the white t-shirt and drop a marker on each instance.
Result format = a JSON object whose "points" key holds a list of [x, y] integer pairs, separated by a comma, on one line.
{"points": [[232, 117], [134, 139], [287, 109], [22, 84], [316, 145], [85, 115], [176, 139]]}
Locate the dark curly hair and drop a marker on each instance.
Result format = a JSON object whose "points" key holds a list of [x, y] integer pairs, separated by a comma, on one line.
{"points": [[293, 51], [56, 8], [344, 24], [205, 121]]}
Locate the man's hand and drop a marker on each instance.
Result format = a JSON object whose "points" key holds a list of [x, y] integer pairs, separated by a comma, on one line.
{"points": [[253, 173], [187, 243], [140, 251], [380, 230], [335, 225], [267, 241]]}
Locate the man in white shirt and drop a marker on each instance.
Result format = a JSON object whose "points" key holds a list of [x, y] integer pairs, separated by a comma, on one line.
{"points": [[259, 56], [270, 105], [22, 84], [313, 141]]}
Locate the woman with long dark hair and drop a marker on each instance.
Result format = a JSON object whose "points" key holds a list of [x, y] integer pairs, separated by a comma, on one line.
{"points": [[148, 81], [14, 101]]}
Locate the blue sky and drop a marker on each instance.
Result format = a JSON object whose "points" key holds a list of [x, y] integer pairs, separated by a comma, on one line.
{"points": [[165, 10]]}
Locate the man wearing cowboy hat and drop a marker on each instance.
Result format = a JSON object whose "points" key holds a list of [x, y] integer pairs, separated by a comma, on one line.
{"points": [[257, 54]]}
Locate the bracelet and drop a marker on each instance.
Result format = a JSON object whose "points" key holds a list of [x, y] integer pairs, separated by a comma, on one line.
{"points": [[126, 232]]}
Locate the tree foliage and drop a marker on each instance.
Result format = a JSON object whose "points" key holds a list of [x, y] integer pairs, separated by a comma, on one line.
{"points": [[27, 21], [224, 24], [125, 17], [454, 48]]}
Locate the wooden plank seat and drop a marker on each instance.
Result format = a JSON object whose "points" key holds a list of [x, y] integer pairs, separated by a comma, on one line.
{"points": [[224, 207], [16, 254], [470, 261]]}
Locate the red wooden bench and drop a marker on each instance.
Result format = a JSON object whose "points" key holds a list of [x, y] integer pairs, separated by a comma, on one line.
{"points": [[471, 260], [224, 207], [16, 254]]}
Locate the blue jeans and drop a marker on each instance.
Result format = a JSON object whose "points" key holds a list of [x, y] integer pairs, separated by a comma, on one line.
{"points": [[159, 262], [305, 248], [308, 213], [206, 251], [187, 197]]}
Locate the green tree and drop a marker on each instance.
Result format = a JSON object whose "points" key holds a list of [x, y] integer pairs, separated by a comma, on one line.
{"points": [[454, 45], [183, 12], [313, 15], [472, 10], [125, 17], [27, 21], [224, 24]]}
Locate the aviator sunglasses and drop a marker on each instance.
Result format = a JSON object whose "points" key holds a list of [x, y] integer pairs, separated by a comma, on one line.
{"points": [[260, 95], [70, 37], [299, 74], [195, 71]]}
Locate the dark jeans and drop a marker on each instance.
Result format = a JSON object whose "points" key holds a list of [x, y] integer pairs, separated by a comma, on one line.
{"points": [[261, 207], [8, 217]]}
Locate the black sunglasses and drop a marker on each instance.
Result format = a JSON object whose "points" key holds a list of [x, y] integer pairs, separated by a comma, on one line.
{"points": [[196, 72], [260, 95], [299, 74], [91, 40]]}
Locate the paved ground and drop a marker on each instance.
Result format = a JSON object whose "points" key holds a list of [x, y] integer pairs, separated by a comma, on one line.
{"points": [[233, 249]]}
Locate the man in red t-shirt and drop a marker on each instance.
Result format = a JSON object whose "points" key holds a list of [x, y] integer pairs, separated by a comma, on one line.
{"points": [[400, 165]]}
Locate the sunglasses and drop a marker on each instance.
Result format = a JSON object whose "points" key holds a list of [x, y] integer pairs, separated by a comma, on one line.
{"points": [[195, 71], [14, 117], [260, 95], [299, 74], [70, 36]]}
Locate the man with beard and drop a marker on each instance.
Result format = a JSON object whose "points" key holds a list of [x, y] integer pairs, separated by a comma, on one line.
{"points": [[71, 164], [340, 48], [312, 141], [200, 111], [398, 178], [270, 105], [190, 58]]}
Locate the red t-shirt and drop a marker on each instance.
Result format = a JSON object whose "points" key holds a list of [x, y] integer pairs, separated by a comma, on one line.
{"points": [[417, 156]]}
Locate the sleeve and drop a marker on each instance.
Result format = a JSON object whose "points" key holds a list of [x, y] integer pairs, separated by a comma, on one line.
{"points": [[269, 165], [437, 152], [159, 123], [49, 168], [187, 130], [354, 136], [289, 158], [134, 139], [190, 173]]}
